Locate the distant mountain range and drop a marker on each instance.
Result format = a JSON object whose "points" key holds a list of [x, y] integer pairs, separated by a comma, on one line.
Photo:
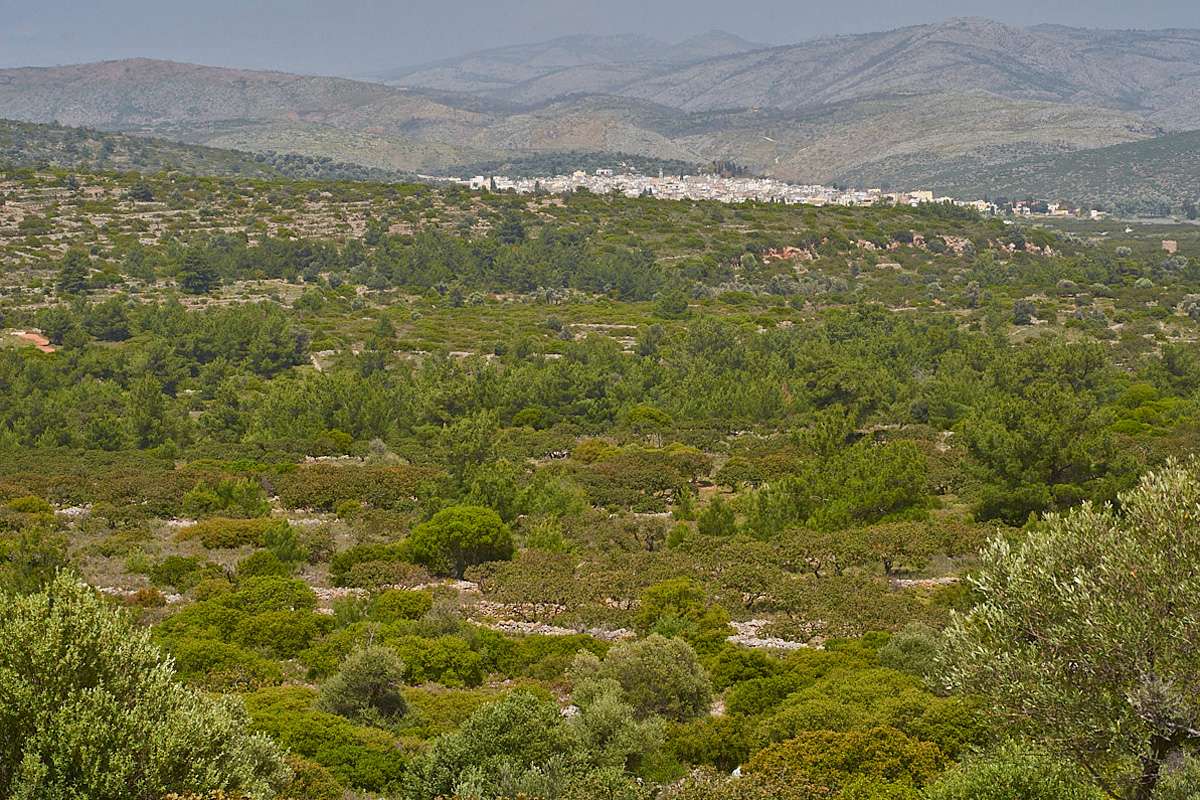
{"points": [[1152, 73], [906, 108], [569, 65]]}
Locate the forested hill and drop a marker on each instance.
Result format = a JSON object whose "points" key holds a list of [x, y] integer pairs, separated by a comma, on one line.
{"points": [[1154, 177], [26, 144]]}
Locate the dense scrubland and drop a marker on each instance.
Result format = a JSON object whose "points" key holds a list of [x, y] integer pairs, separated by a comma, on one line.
{"points": [[423, 493]]}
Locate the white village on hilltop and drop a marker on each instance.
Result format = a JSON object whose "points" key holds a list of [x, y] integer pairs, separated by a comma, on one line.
{"points": [[741, 189]]}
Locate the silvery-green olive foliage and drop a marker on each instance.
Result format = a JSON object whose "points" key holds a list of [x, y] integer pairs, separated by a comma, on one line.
{"points": [[367, 688], [1088, 632], [659, 677], [90, 708]]}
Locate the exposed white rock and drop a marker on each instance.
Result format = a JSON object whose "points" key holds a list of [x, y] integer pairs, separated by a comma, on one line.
{"points": [[748, 635]]}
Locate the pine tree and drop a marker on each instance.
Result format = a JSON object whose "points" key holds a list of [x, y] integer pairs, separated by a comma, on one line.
{"points": [[73, 272], [196, 275], [510, 230], [145, 412], [141, 193]]}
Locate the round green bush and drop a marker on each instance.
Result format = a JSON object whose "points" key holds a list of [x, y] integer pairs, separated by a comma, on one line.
{"points": [[260, 563], [460, 537], [1013, 772], [395, 605]]}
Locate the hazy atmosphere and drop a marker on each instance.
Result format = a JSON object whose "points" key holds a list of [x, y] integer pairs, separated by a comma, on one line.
{"points": [[356, 37]]}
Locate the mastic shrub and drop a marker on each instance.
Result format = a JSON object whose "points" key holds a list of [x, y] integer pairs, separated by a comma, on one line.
{"points": [[29, 504], [136, 481], [832, 759], [262, 562], [343, 562], [221, 666], [270, 593], [310, 781], [283, 633], [323, 657], [221, 533], [399, 604], [324, 486], [360, 757], [447, 660], [182, 572], [203, 620], [378, 574], [547, 657]]}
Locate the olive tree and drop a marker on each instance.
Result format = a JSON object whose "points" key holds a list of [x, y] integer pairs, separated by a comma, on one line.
{"points": [[90, 708], [1087, 634], [368, 687], [659, 676], [517, 733]]}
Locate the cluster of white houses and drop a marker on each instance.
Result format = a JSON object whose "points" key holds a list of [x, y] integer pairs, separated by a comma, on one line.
{"points": [[711, 187]]}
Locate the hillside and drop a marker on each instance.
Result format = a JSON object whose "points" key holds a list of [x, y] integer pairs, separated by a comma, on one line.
{"points": [[410, 493], [392, 129], [816, 145], [238, 108], [145, 93], [1151, 73], [567, 65], [904, 108], [1157, 176], [27, 144]]}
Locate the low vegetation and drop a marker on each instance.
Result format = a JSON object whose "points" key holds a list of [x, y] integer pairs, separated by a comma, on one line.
{"points": [[349, 490]]}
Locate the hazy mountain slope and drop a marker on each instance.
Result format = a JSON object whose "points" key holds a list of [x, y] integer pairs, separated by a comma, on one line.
{"points": [[366, 123], [864, 99], [598, 79], [388, 151], [902, 107], [1154, 73], [527, 60], [142, 94], [1155, 174], [498, 71], [815, 145], [597, 123], [543, 71], [823, 145], [713, 44], [27, 144], [384, 127]]}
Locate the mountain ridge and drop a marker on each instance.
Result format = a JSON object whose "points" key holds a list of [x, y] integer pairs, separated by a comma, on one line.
{"points": [[1115, 69], [896, 106]]}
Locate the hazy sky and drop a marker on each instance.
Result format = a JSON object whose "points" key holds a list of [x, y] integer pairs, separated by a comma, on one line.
{"points": [[354, 37]]}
